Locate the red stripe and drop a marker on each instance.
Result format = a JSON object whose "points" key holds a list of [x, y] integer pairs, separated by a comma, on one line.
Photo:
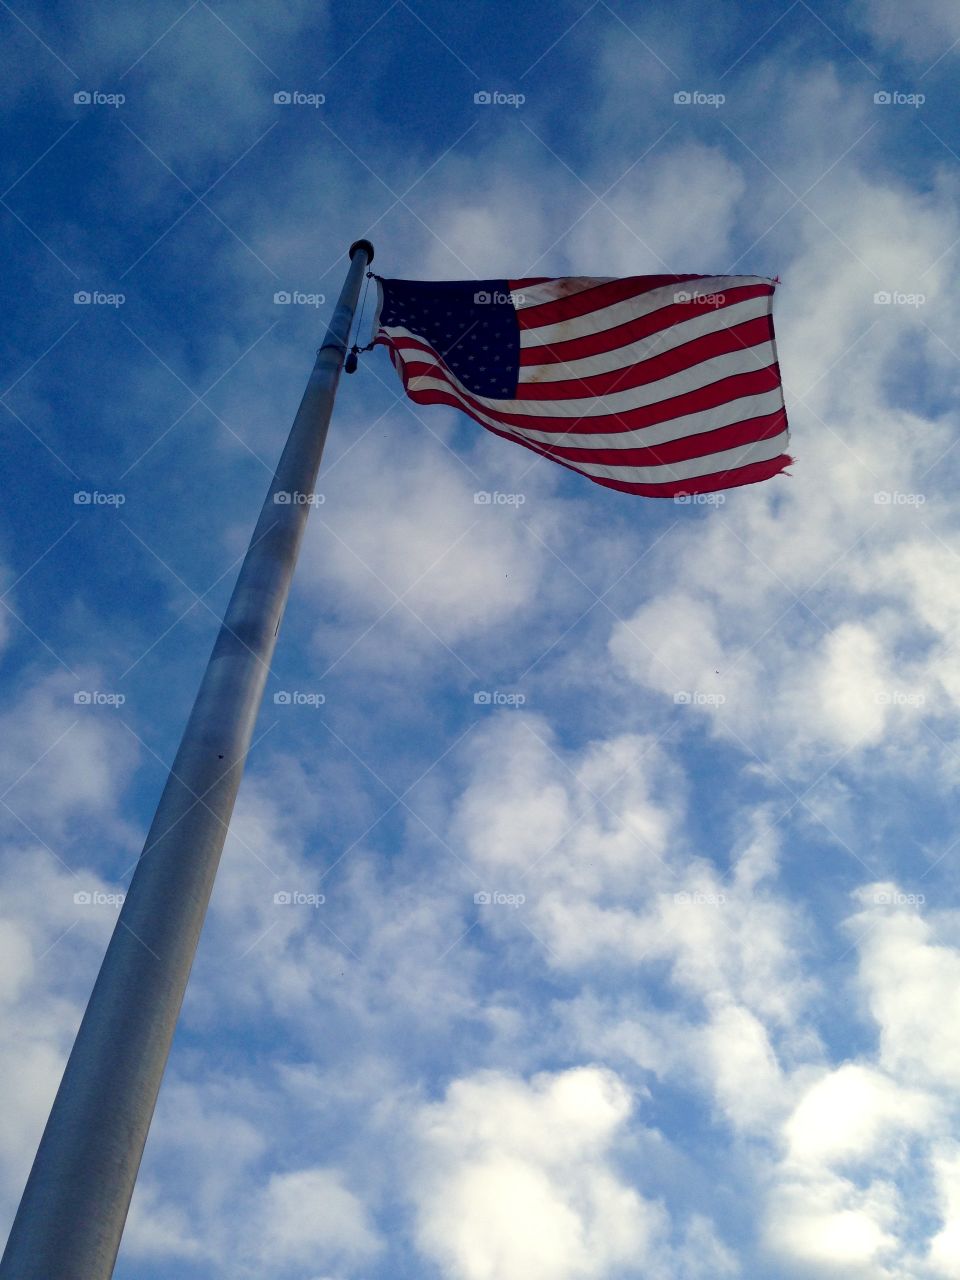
{"points": [[633, 330], [750, 474], [690, 402], [738, 337], [601, 295], [568, 457], [705, 442]]}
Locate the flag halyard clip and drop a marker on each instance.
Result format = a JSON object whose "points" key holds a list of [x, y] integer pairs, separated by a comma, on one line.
{"points": [[350, 364]]}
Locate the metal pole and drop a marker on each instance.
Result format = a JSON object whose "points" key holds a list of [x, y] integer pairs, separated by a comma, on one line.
{"points": [[74, 1206]]}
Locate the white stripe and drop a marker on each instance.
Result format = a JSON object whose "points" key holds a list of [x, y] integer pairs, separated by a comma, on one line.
{"points": [[724, 415], [706, 465], [630, 309], [550, 290], [662, 473], [693, 424], [699, 326], [699, 375]]}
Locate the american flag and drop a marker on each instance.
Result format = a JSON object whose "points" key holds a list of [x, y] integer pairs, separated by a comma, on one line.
{"points": [[655, 385]]}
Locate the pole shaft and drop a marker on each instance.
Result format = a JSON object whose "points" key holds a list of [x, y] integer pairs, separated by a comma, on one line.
{"points": [[75, 1203]]}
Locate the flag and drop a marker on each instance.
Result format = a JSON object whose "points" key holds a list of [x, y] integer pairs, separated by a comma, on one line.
{"points": [[654, 385]]}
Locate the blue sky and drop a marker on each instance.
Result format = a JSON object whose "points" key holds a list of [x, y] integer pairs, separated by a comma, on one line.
{"points": [[718, 1034]]}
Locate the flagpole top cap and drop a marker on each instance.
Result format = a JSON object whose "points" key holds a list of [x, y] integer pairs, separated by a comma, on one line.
{"points": [[362, 244]]}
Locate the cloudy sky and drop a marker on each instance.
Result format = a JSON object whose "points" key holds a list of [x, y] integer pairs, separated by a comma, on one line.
{"points": [[647, 962]]}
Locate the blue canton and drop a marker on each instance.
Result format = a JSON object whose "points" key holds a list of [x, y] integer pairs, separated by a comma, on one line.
{"points": [[471, 324]]}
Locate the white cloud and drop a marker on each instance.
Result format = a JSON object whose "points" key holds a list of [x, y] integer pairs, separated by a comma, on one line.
{"points": [[944, 1252], [680, 205], [156, 1229], [924, 32], [443, 567], [516, 1180], [309, 1218], [596, 840], [590, 823], [61, 761], [826, 1226], [851, 1111], [908, 978], [791, 608], [843, 1198], [50, 947]]}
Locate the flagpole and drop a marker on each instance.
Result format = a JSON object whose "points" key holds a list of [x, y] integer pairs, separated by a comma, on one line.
{"points": [[75, 1203]]}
